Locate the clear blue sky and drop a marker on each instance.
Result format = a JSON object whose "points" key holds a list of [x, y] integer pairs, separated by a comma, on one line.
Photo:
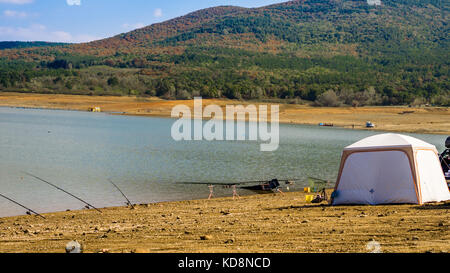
{"points": [[86, 20]]}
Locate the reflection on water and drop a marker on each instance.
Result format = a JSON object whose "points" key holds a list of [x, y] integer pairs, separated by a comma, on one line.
{"points": [[79, 151]]}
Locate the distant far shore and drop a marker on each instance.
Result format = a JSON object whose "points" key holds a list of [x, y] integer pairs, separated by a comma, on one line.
{"points": [[426, 120]]}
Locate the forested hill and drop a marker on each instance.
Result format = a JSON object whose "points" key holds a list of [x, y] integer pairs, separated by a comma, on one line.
{"points": [[333, 52]]}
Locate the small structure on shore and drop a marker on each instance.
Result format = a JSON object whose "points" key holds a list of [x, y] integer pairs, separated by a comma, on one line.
{"points": [[369, 124], [95, 109], [390, 169], [326, 124]]}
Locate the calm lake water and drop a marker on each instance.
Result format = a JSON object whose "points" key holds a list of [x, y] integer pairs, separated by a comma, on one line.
{"points": [[80, 151]]}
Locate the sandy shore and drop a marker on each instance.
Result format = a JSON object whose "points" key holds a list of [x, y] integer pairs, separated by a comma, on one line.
{"points": [[432, 120], [262, 223]]}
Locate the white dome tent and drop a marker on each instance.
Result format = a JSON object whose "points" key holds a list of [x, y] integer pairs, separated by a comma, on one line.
{"points": [[390, 169]]}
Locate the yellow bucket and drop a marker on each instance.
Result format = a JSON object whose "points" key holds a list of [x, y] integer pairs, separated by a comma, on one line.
{"points": [[307, 190], [309, 198]]}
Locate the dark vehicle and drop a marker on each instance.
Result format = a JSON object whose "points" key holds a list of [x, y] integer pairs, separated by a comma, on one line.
{"points": [[445, 160]]}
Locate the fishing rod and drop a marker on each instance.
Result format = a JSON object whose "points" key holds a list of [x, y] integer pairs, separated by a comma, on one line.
{"points": [[42, 180], [17, 203], [237, 183], [123, 194], [319, 179]]}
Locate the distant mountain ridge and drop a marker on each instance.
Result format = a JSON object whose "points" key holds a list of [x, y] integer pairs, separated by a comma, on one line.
{"points": [[19, 44], [345, 51]]}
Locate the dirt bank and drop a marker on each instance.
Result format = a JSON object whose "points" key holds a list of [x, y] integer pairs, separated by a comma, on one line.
{"points": [[432, 120], [263, 223]]}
